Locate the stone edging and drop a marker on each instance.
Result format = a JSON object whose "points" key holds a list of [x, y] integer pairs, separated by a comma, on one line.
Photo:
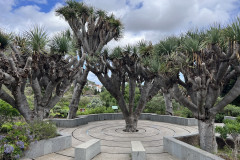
{"points": [[185, 151], [47, 146], [69, 123]]}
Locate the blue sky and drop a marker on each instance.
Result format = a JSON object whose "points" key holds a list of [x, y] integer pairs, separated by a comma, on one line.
{"points": [[151, 20]]}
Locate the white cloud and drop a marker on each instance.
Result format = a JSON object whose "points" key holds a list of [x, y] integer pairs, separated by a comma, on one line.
{"points": [[149, 20], [23, 18], [39, 1]]}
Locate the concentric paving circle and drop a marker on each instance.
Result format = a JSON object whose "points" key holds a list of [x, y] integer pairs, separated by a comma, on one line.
{"points": [[115, 140]]}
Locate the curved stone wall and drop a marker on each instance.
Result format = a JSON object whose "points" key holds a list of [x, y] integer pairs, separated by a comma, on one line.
{"points": [[81, 120]]}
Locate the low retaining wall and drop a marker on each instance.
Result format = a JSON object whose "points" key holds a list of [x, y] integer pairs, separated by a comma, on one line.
{"points": [[81, 120], [185, 151], [51, 145]]}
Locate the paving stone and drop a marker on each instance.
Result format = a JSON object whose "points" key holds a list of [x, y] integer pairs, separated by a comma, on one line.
{"points": [[116, 144]]}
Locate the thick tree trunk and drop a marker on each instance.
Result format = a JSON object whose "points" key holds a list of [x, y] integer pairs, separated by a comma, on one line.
{"points": [[131, 123], [207, 135], [168, 103], [73, 106], [78, 87]]}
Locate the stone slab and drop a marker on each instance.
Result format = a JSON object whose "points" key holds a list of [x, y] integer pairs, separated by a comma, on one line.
{"points": [[138, 151], [88, 150]]}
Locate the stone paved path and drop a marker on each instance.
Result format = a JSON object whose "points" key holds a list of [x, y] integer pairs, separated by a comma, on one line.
{"points": [[116, 144]]}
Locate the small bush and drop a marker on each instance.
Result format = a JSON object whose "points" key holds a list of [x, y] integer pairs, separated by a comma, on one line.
{"points": [[95, 102], [84, 101], [184, 112], [43, 130], [96, 110], [156, 105], [7, 112], [231, 128], [60, 112], [219, 118], [232, 110], [16, 140]]}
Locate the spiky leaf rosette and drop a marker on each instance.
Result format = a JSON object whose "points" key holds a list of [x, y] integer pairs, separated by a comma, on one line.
{"points": [[36, 38]]}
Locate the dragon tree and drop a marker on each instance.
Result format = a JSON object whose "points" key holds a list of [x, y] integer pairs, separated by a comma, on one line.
{"points": [[132, 66], [93, 29], [208, 60], [49, 75]]}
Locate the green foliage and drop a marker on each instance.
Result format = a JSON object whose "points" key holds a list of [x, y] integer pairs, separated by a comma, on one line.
{"points": [[36, 38], [219, 118], [61, 43], [215, 35], [167, 46], [59, 111], [183, 112], [156, 105], [232, 31], [16, 140], [232, 110], [108, 99], [84, 101], [79, 11], [95, 102], [231, 128], [96, 110], [43, 130], [17, 137], [7, 112]]}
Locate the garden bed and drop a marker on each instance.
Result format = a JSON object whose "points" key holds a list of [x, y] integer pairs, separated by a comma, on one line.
{"points": [[81, 120], [43, 147], [185, 147]]}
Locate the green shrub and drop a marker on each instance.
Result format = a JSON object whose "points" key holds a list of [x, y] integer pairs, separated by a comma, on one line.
{"points": [[95, 102], [7, 126], [59, 111], [43, 130], [15, 141], [84, 101], [219, 118], [231, 128], [232, 110], [96, 110], [184, 112], [156, 105], [7, 112]]}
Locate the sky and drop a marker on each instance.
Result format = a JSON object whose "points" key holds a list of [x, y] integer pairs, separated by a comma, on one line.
{"points": [[150, 20]]}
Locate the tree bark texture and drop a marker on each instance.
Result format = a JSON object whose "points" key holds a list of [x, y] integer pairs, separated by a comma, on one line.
{"points": [[80, 82], [168, 103], [207, 135], [131, 123]]}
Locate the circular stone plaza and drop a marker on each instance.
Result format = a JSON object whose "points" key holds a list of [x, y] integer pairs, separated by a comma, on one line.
{"points": [[116, 144]]}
